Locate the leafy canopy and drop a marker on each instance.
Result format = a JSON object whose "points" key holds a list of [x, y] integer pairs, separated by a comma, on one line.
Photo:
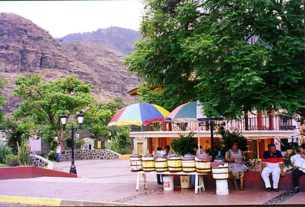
{"points": [[233, 56], [98, 116], [43, 102]]}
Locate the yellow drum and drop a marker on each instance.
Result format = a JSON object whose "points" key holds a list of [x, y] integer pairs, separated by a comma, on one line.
{"points": [[188, 164], [221, 172], [202, 166], [148, 163], [161, 164], [174, 164], [135, 163]]}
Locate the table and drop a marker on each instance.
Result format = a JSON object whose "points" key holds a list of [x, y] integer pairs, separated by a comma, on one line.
{"points": [[199, 183]]}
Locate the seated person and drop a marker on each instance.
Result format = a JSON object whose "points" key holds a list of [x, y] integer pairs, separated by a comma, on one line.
{"points": [[235, 159], [197, 151], [298, 163], [167, 149], [272, 163]]}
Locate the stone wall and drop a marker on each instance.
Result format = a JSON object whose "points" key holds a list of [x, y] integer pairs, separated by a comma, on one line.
{"points": [[36, 160], [95, 154]]}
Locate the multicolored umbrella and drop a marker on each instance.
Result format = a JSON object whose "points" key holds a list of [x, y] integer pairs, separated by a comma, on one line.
{"points": [[191, 111], [139, 114]]}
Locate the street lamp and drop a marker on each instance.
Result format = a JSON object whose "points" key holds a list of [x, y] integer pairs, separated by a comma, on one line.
{"points": [[212, 122], [80, 120]]}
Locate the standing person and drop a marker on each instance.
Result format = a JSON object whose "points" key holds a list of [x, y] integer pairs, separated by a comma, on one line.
{"points": [[298, 163], [58, 152], [272, 163], [159, 177], [235, 158]]}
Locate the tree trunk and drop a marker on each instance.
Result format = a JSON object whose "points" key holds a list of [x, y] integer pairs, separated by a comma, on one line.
{"points": [[246, 120], [271, 119], [60, 135]]}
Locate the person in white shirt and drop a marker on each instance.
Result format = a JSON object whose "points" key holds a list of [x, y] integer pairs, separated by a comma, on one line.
{"points": [[298, 163], [58, 152]]}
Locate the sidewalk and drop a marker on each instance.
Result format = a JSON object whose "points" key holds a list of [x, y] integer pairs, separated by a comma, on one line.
{"points": [[110, 182]]}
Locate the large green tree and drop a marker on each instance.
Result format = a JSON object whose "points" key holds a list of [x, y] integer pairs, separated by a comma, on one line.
{"points": [[233, 55], [43, 102], [98, 116]]}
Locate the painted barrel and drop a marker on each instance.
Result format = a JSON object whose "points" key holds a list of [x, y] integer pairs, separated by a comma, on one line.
{"points": [[188, 165], [148, 163], [174, 164], [202, 166], [135, 163], [161, 164], [168, 183], [221, 172]]}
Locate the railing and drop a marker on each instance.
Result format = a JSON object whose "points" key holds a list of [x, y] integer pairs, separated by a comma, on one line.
{"points": [[278, 122]]}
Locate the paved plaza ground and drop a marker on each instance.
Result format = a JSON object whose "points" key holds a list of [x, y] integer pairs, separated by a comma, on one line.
{"points": [[110, 182]]}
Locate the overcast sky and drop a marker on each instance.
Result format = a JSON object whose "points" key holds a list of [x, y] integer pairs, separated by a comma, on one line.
{"points": [[60, 18]]}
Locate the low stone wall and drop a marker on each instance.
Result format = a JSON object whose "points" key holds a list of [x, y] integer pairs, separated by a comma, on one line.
{"points": [[95, 154], [38, 161]]}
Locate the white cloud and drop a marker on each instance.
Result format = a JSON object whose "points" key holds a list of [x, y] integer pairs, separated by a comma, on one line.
{"points": [[65, 17]]}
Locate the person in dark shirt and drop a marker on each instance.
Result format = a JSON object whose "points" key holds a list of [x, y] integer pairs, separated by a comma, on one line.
{"points": [[272, 163], [159, 177], [167, 149]]}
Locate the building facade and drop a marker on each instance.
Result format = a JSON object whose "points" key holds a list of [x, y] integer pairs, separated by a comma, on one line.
{"points": [[260, 129]]}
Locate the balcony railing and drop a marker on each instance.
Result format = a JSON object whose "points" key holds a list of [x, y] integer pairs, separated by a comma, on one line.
{"points": [[278, 122]]}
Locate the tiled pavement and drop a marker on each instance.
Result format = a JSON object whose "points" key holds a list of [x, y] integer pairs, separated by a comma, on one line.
{"points": [[111, 182]]}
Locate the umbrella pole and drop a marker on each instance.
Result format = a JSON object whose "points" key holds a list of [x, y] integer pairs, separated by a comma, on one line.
{"points": [[212, 138], [198, 137], [144, 141]]}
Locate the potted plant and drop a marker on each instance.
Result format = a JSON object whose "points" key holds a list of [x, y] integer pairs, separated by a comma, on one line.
{"points": [[183, 145]]}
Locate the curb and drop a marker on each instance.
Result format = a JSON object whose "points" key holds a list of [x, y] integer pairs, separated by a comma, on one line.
{"points": [[30, 200], [54, 202]]}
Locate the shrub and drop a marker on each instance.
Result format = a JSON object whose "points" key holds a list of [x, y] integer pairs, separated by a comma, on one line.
{"points": [[12, 160], [228, 138], [120, 141], [4, 151], [52, 155], [184, 144], [23, 153], [79, 144]]}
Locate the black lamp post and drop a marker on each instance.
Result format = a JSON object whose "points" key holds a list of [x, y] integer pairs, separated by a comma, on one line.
{"points": [[212, 122], [80, 120]]}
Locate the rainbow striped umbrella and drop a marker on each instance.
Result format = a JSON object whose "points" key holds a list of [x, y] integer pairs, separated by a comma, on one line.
{"points": [[139, 114]]}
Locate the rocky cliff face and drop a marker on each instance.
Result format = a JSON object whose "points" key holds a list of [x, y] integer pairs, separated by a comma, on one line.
{"points": [[118, 39], [26, 49], [107, 66]]}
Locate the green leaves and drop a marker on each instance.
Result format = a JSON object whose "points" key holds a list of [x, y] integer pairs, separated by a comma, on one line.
{"points": [[98, 116], [241, 55], [43, 102], [184, 145]]}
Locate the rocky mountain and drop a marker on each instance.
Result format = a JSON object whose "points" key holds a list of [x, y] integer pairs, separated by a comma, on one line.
{"points": [[26, 49], [116, 38]]}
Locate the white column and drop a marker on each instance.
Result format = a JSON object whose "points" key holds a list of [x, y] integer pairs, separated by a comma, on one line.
{"points": [[144, 146], [135, 146]]}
